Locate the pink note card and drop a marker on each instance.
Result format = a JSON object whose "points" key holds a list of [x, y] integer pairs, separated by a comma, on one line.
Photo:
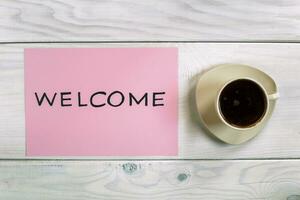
{"points": [[101, 101]]}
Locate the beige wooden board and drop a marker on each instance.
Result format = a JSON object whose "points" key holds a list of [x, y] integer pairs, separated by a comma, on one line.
{"points": [[144, 20], [279, 139], [118, 180]]}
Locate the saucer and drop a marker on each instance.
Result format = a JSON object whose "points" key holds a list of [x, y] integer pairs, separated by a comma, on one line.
{"points": [[207, 91]]}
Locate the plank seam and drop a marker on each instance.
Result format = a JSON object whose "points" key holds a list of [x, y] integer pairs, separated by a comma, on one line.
{"points": [[165, 41], [134, 159]]}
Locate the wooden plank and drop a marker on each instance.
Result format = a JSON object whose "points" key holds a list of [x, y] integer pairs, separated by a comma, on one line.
{"points": [[218, 180], [130, 20], [279, 139]]}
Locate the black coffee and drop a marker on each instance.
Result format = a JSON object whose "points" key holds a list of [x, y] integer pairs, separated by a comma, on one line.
{"points": [[242, 103]]}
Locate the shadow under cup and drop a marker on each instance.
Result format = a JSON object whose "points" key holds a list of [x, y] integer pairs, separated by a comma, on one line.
{"points": [[242, 103]]}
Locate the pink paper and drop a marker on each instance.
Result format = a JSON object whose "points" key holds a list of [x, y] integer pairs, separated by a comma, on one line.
{"points": [[136, 130]]}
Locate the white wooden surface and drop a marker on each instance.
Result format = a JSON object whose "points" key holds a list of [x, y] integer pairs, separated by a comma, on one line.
{"points": [[124, 20], [155, 20], [118, 180], [280, 139]]}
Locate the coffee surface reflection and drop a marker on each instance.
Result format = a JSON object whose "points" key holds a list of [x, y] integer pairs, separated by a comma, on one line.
{"points": [[242, 103]]}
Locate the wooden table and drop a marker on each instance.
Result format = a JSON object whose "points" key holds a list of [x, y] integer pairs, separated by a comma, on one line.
{"points": [[264, 34]]}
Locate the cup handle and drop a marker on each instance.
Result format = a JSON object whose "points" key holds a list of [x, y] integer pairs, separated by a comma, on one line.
{"points": [[273, 96]]}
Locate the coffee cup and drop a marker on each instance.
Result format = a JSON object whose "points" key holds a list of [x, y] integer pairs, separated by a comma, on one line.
{"points": [[243, 103], [235, 101]]}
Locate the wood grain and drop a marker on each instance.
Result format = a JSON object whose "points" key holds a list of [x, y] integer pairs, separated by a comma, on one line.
{"points": [[217, 180], [144, 20], [279, 139], [155, 20]]}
